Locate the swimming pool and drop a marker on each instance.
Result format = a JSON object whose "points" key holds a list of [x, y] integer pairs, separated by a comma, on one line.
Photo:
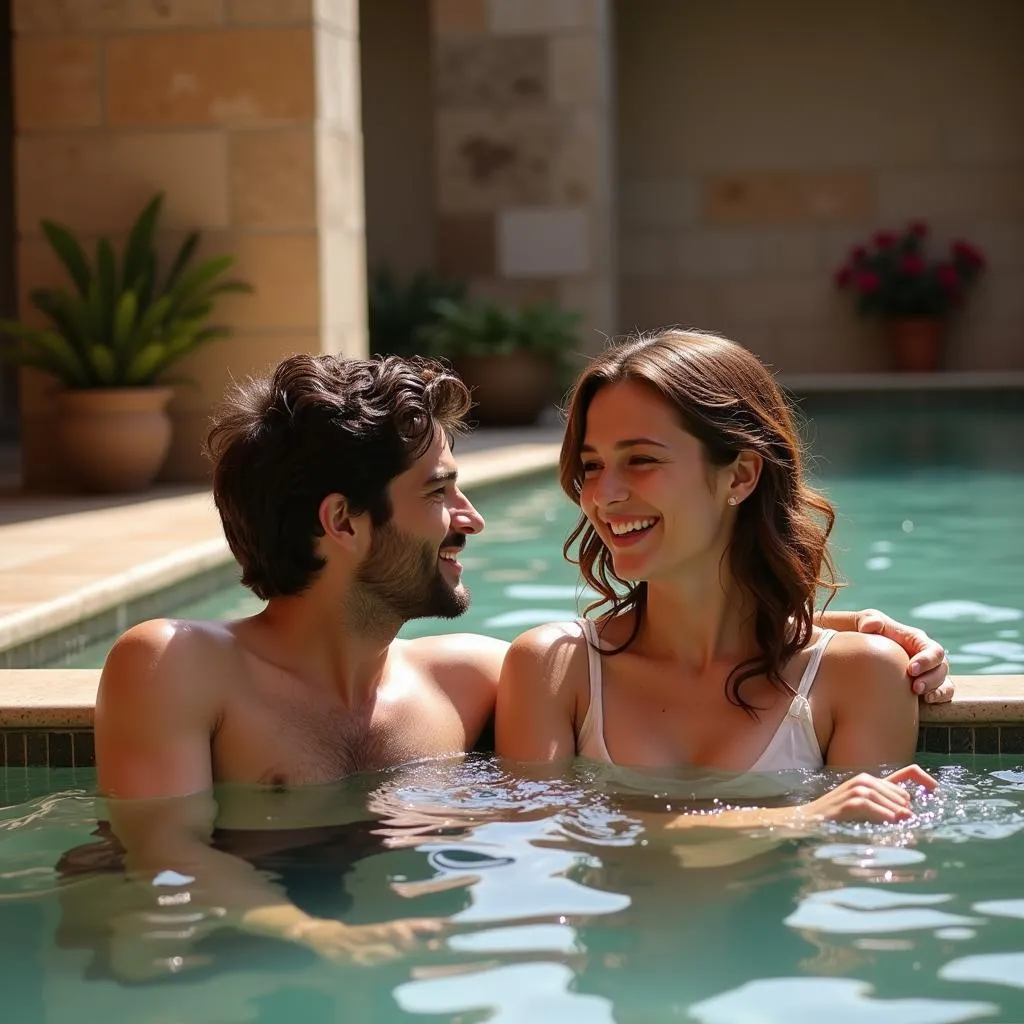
{"points": [[561, 902], [930, 493]]}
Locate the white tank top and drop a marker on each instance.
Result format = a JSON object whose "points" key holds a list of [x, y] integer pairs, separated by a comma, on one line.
{"points": [[794, 744]]}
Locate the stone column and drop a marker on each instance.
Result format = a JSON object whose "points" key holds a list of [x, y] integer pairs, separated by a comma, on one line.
{"points": [[246, 114], [525, 131]]}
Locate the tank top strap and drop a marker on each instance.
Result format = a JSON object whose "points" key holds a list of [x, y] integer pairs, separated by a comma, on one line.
{"points": [[590, 737], [814, 662]]}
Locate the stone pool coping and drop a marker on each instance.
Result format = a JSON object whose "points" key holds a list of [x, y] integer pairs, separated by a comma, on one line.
{"points": [[64, 561]]}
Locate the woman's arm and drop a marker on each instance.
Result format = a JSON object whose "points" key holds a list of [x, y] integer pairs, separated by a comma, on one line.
{"points": [[534, 715], [874, 714]]}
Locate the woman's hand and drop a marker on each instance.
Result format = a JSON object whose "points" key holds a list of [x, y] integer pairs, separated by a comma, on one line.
{"points": [[928, 668], [865, 798]]}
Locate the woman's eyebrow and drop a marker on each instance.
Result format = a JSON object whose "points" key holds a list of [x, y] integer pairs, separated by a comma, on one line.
{"points": [[628, 442]]}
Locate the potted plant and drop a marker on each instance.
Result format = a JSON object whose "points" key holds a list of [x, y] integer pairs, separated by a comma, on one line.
{"points": [[110, 340], [512, 359], [400, 309], [894, 280]]}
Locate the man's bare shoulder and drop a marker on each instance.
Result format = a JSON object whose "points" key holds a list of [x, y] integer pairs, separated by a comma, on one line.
{"points": [[179, 655], [472, 651]]}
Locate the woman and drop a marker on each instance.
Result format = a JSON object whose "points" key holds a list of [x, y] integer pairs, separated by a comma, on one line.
{"points": [[708, 549]]}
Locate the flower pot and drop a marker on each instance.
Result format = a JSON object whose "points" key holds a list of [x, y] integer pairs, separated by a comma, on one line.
{"points": [[114, 440], [509, 389], [915, 343]]}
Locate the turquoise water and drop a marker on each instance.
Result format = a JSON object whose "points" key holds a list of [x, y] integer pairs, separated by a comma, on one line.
{"points": [[931, 529], [560, 901]]}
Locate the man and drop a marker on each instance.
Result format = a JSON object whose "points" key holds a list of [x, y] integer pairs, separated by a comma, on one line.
{"points": [[339, 498]]}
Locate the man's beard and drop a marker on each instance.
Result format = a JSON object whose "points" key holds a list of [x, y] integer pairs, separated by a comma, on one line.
{"points": [[402, 574]]}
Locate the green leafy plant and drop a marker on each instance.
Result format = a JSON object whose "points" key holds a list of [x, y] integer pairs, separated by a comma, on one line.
{"points": [[483, 327], [400, 309], [121, 324]]}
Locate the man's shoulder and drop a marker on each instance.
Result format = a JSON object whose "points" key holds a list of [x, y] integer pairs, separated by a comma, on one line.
{"points": [[180, 654], [464, 653]]}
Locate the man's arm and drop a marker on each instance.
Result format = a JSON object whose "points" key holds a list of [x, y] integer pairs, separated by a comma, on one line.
{"points": [[928, 668], [155, 715]]}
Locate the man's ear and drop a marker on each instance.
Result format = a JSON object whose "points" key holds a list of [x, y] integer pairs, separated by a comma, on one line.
{"points": [[339, 524]]}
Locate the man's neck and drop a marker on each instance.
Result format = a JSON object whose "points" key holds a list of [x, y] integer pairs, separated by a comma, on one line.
{"points": [[328, 644]]}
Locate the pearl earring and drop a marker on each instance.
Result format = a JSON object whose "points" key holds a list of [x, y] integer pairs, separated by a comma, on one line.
{"points": [[733, 500]]}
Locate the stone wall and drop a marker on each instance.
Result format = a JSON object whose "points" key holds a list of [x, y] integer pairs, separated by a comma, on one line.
{"points": [[246, 113], [523, 177], [757, 142]]}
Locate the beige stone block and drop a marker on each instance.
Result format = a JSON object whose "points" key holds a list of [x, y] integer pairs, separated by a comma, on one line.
{"points": [[544, 241], [646, 252], [211, 77], [581, 164], [647, 304], [769, 197], [466, 245], [99, 183], [715, 253], [789, 250], [939, 192], [37, 267], [783, 299], [340, 179], [596, 300], [350, 342], [337, 79], [526, 17], [455, 18], [489, 72], [656, 202], [212, 369], [488, 160], [579, 70], [980, 133], [342, 15], [56, 83], [838, 343], [31, 16], [270, 12], [284, 271], [272, 178], [343, 280]]}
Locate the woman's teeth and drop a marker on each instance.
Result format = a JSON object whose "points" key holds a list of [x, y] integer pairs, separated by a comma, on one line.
{"points": [[621, 529]]}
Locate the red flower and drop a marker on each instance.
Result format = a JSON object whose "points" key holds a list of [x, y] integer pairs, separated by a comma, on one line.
{"points": [[885, 239], [844, 275], [918, 228], [868, 281], [948, 277], [912, 264], [964, 252]]}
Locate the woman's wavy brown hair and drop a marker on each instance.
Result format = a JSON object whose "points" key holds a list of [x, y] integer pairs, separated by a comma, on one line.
{"points": [[729, 401]]}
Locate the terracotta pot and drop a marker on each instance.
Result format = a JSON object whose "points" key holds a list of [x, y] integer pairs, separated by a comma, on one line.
{"points": [[509, 389], [916, 344], [114, 440]]}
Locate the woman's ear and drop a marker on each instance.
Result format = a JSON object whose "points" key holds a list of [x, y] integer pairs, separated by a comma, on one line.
{"points": [[744, 475]]}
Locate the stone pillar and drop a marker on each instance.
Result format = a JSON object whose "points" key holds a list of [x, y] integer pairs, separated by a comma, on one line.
{"points": [[246, 114], [525, 132]]}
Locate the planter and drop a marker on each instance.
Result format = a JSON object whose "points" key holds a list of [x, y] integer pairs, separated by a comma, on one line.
{"points": [[114, 440], [509, 389], [916, 344]]}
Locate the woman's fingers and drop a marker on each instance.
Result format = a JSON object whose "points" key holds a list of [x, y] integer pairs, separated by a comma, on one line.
{"points": [[914, 774]]}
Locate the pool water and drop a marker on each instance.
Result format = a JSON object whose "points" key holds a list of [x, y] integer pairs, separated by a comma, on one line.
{"points": [[930, 495], [561, 900]]}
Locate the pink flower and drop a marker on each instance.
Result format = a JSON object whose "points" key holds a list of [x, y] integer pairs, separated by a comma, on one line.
{"points": [[918, 228], [868, 281], [885, 239], [912, 264], [843, 277], [948, 277]]}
